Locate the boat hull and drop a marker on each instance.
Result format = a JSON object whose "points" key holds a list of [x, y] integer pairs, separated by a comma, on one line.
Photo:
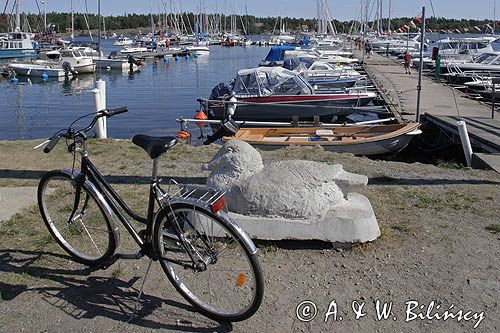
{"points": [[11, 54], [270, 109], [391, 139], [37, 71]]}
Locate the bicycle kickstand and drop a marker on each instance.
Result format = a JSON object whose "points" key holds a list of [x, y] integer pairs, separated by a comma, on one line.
{"points": [[138, 299]]}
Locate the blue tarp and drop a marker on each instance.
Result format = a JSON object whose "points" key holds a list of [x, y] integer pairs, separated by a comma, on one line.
{"points": [[277, 53]]}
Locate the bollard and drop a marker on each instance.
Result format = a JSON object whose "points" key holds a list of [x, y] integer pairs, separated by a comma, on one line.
{"points": [[437, 70], [464, 138], [99, 130], [101, 85]]}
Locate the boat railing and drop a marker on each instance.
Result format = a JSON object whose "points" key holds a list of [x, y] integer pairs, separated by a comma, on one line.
{"points": [[383, 110]]}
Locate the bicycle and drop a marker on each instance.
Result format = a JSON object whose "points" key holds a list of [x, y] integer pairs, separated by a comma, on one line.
{"points": [[207, 257]]}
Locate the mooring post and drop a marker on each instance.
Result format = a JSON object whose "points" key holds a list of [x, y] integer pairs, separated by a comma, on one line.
{"points": [[100, 130], [494, 81], [464, 138], [101, 85], [421, 64]]}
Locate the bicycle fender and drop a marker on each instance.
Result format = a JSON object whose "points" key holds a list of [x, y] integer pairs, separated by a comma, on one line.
{"points": [[77, 176], [245, 238]]}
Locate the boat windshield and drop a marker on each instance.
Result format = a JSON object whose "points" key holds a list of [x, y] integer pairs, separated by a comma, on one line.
{"points": [[267, 81], [485, 58]]}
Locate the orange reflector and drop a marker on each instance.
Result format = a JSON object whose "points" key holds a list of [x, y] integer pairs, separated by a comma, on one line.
{"points": [[241, 279], [218, 205]]}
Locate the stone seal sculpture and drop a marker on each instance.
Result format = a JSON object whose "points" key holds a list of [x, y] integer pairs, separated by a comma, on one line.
{"points": [[291, 199]]}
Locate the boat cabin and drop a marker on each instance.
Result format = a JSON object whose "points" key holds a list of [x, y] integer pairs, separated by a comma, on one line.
{"points": [[267, 81]]}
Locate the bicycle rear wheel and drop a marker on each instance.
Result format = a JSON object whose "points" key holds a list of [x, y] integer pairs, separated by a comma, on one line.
{"points": [[228, 285], [75, 218]]}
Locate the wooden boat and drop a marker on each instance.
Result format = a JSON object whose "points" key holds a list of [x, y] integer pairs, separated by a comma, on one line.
{"points": [[357, 140]]}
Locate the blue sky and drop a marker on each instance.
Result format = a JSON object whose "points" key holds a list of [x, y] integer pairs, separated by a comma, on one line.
{"points": [[340, 9]]}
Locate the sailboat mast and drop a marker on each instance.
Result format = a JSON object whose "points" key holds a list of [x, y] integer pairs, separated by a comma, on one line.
{"points": [[72, 22], [18, 17], [389, 23], [152, 20]]}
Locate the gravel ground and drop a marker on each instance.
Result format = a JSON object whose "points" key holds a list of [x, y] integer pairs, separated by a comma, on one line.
{"points": [[436, 251]]}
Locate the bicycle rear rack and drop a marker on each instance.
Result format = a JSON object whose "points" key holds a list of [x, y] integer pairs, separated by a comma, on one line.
{"points": [[195, 194]]}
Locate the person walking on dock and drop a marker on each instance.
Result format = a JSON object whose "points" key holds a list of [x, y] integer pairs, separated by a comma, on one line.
{"points": [[407, 62]]}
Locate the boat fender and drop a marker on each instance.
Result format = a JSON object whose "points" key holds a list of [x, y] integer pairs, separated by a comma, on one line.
{"points": [[183, 134], [231, 106], [176, 58], [14, 80], [165, 60], [45, 76], [200, 115], [186, 57]]}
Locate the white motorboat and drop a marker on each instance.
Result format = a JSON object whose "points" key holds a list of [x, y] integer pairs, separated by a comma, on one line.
{"points": [[72, 60], [135, 49], [85, 50], [38, 71], [198, 50], [123, 41], [484, 63], [117, 63]]}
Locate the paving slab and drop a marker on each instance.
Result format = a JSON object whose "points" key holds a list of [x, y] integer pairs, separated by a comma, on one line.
{"points": [[13, 199]]}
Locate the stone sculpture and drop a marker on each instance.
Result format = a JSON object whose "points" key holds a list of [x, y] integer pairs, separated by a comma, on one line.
{"points": [[291, 199]]}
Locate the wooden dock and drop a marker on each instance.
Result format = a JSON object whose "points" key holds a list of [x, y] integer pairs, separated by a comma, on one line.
{"points": [[440, 104]]}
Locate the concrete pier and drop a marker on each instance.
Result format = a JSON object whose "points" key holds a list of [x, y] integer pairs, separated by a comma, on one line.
{"points": [[440, 103]]}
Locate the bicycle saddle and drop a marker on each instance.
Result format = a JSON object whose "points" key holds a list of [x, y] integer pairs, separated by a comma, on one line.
{"points": [[154, 145]]}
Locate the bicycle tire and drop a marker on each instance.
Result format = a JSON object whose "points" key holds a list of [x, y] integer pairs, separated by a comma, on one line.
{"points": [[244, 281], [88, 237]]}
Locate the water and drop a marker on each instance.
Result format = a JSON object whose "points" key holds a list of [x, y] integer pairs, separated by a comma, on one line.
{"points": [[155, 96]]}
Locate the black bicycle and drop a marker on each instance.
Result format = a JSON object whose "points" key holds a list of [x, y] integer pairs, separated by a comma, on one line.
{"points": [[208, 258]]}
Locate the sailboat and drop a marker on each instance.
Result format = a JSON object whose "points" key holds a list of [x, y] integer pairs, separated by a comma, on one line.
{"points": [[197, 48], [17, 44]]}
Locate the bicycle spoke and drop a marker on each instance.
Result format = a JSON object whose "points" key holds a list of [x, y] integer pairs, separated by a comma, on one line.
{"points": [[91, 239]]}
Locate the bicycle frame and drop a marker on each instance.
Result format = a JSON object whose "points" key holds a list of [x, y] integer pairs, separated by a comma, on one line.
{"points": [[89, 171]]}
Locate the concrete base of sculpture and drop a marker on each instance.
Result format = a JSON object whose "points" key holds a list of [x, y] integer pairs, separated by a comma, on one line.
{"points": [[352, 222], [292, 199]]}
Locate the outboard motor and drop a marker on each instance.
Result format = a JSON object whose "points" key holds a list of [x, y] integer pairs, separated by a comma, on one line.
{"points": [[219, 91], [68, 69], [228, 127]]}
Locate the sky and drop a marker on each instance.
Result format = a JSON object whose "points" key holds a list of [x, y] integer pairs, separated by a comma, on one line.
{"points": [[340, 9]]}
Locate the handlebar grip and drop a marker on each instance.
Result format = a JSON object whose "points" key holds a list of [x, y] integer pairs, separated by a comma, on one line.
{"points": [[53, 142], [111, 113]]}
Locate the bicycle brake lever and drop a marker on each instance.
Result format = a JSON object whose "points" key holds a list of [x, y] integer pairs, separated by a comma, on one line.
{"points": [[41, 144]]}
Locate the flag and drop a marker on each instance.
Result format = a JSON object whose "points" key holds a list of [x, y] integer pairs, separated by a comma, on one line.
{"points": [[412, 24], [403, 29], [418, 19], [477, 28], [458, 31], [466, 29]]}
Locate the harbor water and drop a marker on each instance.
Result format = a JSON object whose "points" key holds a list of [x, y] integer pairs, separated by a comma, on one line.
{"points": [[156, 95]]}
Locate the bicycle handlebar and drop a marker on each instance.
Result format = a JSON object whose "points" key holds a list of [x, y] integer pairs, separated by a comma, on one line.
{"points": [[52, 142], [111, 113]]}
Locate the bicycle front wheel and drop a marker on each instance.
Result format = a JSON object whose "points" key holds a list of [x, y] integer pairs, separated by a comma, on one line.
{"points": [[212, 268], [75, 218]]}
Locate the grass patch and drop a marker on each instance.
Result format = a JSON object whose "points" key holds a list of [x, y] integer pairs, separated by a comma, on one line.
{"points": [[406, 227], [426, 202], [451, 165], [115, 274], [494, 228]]}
